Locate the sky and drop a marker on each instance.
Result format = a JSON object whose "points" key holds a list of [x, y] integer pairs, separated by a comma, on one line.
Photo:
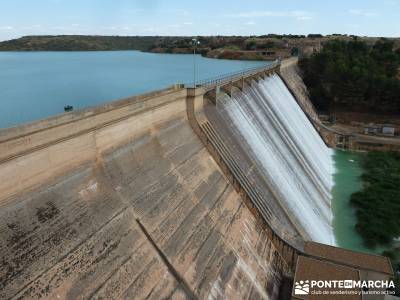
{"points": [[200, 17]]}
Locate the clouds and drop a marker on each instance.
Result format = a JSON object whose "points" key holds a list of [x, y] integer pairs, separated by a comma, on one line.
{"points": [[208, 17], [295, 14], [392, 2], [6, 28], [363, 13]]}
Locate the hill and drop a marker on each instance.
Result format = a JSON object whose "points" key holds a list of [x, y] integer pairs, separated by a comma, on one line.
{"points": [[78, 43], [354, 75], [265, 47]]}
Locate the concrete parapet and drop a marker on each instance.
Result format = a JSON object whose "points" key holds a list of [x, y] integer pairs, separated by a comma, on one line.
{"points": [[213, 88], [18, 140], [31, 155]]}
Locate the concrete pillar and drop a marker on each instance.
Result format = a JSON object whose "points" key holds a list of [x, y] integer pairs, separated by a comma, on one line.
{"points": [[239, 83], [248, 81], [227, 88], [212, 95]]}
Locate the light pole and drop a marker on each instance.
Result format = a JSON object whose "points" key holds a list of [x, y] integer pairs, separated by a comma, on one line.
{"points": [[195, 42]]}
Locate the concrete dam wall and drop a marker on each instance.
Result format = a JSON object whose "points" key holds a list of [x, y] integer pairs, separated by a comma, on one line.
{"points": [[184, 193], [124, 201]]}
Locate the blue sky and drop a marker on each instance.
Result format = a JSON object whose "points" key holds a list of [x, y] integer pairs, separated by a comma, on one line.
{"points": [[202, 17]]}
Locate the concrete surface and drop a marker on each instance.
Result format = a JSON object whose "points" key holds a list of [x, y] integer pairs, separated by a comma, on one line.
{"points": [[152, 218], [36, 153]]}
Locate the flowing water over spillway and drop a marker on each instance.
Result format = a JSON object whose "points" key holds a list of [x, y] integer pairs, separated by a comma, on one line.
{"points": [[290, 153]]}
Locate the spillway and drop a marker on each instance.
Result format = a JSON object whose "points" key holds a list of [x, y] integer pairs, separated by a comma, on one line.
{"points": [[288, 151], [179, 193]]}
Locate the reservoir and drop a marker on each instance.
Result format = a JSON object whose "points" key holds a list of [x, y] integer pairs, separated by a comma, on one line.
{"points": [[36, 85]]}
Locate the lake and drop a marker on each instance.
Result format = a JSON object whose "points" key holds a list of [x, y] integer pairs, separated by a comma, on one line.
{"points": [[36, 85]]}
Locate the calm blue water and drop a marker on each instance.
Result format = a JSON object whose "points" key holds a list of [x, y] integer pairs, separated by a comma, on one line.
{"points": [[35, 85]]}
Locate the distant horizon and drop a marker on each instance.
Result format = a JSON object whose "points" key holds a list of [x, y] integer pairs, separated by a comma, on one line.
{"points": [[206, 18], [217, 35]]}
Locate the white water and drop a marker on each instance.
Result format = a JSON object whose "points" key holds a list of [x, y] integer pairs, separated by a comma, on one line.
{"points": [[288, 150]]}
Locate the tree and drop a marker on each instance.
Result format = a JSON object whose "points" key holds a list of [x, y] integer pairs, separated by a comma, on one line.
{"points": [[354, 74]]}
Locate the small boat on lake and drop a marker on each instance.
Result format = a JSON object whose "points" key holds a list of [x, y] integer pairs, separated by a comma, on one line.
{"points": [[68, 108]]}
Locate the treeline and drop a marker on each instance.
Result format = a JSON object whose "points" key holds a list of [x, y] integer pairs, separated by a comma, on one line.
{"points": [[354, 74], [378, 204], [171, 44], [78, 43]]}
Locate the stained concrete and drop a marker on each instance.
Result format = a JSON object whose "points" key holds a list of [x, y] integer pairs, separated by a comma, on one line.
{"points": [[153, 218]]}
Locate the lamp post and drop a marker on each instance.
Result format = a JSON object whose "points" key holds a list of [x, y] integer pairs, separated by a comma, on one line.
{"points": [[195, 42]]}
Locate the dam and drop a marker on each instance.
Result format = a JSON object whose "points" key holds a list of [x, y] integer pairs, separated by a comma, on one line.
{"points": [[216, 191]]}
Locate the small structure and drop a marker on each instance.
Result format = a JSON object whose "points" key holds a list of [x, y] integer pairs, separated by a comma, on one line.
{"points": [[371, 129], [327, 272], [388, 129], [267, 54], [379, 129]]}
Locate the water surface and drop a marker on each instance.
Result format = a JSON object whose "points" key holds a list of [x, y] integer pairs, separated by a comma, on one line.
{"points": [[347, 180], [36, 85]]}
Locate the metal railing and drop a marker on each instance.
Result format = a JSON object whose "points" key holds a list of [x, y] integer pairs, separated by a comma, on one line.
{"points": [[224, 78]]}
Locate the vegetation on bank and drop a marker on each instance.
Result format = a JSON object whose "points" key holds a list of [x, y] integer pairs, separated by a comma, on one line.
{"points": [[378, 204], [87, 42], [77, 43], [227, 47], [165, 44], [355, 75]]}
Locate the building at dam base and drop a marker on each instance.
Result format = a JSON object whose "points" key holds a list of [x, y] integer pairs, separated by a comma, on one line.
{"points": [[165, 195]]}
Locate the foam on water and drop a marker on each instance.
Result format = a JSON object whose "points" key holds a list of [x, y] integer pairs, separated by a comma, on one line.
{"points": [[289, 152]]}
